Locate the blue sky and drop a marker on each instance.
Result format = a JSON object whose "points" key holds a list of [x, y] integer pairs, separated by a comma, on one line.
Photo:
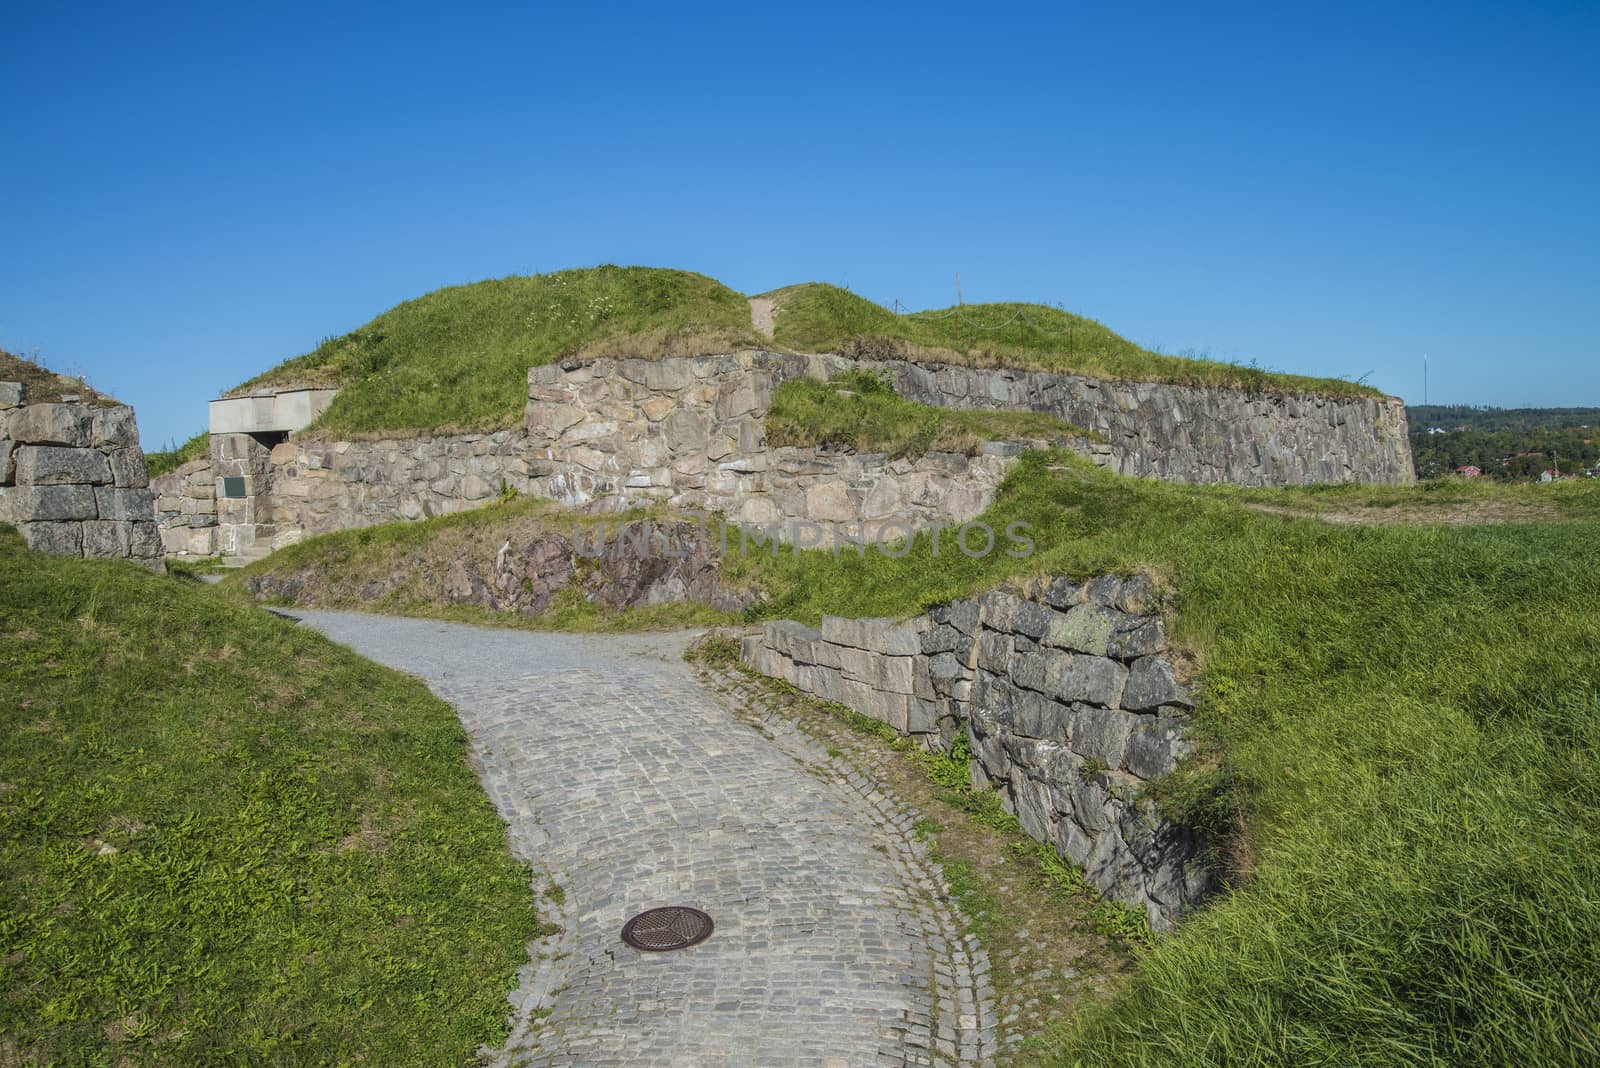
{"points": [[190, 195]]}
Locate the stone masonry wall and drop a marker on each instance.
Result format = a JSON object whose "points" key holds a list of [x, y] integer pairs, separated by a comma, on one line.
{"points": [[1066, 704], [321, 486], [72, 479], [1190, 434], [186, 509], [691, 432]]}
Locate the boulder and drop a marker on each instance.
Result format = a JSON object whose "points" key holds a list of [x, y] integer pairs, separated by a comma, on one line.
{"points": [[1151, 684], [54, 465], [126, 504], [56, 539], [127, 468], [53, 504], [1102, 734], [50, 424], [1156, 745], [113, 428], [1071, 677]]}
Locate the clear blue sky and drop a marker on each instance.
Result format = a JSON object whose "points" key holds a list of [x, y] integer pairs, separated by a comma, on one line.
{"points": [[190, 195]]}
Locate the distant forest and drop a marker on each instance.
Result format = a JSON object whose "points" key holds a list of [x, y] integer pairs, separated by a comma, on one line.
{"points": [[1509, 443]]}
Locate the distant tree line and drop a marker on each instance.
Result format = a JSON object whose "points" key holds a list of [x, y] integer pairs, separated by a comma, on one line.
{"points": [[1508, 443]]}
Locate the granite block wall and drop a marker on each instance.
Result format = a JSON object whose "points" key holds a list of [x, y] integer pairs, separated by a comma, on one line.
{"points": [[321, 486], [691, 432], [1063, 700], [1189, 433], [73, 481]]}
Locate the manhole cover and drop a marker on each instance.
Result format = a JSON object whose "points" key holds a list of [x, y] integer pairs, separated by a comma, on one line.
{"points": [[674, 927]]}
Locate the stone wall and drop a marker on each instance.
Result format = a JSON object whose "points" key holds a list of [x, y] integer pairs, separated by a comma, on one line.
{"points": [[186, 509], [1064, 700], [614, 567], [691, 432], [1189, 434], [72, 479], [321, 486]]}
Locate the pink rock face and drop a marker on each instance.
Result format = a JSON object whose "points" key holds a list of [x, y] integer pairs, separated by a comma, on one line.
{"points": [[283, 453]]}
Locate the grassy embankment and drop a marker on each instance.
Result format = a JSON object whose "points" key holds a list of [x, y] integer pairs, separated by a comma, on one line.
{"points": [[1402, 754], [458, 358], [224, 838], [1403, 761], [825, 318], [45, 386]]}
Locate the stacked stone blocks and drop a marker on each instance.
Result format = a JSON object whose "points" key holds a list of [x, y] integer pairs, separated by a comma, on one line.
{"points": [[691, 432], [186, 509], [72, 479], [1064, 700]]}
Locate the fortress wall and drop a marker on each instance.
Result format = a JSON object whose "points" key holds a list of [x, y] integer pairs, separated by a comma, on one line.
{"points": [[314, 487], [73, 481], [1063, 702], [1186, 433], [691, 432]]}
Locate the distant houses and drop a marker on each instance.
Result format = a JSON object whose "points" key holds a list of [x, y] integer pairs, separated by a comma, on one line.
{"points": [[1469, 471]]}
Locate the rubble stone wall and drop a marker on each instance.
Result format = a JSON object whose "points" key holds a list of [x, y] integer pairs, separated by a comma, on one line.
{"points": [[186, 509], [691, 432], [73, 481], [1189, 433], [321, 486], [1063, 700]]}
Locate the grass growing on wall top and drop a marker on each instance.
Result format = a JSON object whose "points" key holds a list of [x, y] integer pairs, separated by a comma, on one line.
{"points": [[862, 412], [1409, 783], [226, 839], [45, 386], [824, 318], [459, 357]]}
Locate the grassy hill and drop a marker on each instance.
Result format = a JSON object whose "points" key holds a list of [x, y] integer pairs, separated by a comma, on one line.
{"points": [[825, 318], [45, 386], [224, 839], [1401, 755], [457, 358], [1402, 760]]}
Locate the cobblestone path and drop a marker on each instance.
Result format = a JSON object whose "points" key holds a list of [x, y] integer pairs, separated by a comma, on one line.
{"points": [[627, 784]]}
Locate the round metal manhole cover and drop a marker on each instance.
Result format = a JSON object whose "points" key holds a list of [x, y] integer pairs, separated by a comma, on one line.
{"points": [[674, 927]]}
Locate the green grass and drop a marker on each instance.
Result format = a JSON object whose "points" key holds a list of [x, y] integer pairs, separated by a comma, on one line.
{"points": [[45, 386], [159, 463], [825, 318], [224, 839], [1403, 739], [862, 412], [459, 357]]}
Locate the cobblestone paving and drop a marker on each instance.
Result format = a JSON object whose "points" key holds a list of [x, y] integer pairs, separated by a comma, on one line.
{"points": [[628, 784]]}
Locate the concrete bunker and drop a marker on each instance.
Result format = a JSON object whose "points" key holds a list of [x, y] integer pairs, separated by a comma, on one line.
{"points": [[244, 431]]}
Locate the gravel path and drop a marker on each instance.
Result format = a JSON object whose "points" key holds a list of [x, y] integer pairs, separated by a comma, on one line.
{"points": [[628, 785]]}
